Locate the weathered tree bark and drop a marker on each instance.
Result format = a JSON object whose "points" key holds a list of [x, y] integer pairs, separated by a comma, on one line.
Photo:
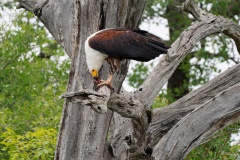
{"points": [[135, 131], [177, 85]]}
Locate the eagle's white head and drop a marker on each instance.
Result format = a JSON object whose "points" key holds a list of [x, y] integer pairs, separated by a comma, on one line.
{"points": [[94, 58]]}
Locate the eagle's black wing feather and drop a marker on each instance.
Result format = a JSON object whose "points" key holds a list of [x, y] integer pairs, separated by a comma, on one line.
{"points": [[128, 44]]}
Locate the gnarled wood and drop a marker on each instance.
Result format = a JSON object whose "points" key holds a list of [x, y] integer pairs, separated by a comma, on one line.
{"points": [[199, 125], [165, 118], [96, 100], [180, 48]]}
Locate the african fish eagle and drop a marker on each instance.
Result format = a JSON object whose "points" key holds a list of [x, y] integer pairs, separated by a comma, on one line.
{"points": [[120, 43]]}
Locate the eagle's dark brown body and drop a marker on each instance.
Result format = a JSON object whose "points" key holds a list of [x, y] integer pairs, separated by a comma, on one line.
{"points": [[128, 44], [121, 43]]}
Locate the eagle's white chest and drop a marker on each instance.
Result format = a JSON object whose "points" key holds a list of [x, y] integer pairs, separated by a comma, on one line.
{"points": [[94, 58]]}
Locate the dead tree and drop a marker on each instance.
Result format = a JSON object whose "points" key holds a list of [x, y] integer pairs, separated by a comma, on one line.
{"points": [[121, 125]]}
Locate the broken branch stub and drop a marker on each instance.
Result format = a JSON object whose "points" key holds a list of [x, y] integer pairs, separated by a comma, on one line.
{"points": [[96, 100]]}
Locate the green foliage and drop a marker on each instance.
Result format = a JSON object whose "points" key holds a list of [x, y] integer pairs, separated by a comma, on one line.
{"points": [[153, 8], [226, 8], [218, 148], [139, 74], [37, 145], [159, 102], [33, 73], [29, 83]]}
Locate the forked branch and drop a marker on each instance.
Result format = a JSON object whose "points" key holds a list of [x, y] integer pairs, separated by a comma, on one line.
{"points": [[209, 25], [200, 124], [173, 113]]}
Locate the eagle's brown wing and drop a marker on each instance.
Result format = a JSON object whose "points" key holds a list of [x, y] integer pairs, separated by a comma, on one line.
{"points": [[128, 44]]}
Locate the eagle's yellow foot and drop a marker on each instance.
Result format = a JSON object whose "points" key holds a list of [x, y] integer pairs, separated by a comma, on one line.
{"points": [[107, 82]]}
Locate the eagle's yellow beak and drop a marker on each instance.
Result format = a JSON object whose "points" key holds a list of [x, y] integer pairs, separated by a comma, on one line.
{"points": [[94, 73]]}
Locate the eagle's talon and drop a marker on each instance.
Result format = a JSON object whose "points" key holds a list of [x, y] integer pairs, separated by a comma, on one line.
{"points": [[102, 82], [107, 82]]}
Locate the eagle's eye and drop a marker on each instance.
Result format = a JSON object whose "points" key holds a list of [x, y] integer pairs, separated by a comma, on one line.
{"points": [[93, 70]]}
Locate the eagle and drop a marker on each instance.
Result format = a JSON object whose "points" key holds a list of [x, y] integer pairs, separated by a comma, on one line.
{"points": [[115, 44]]}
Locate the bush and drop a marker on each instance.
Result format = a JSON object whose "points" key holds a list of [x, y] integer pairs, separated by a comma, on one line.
{"points": [[38, 145]]}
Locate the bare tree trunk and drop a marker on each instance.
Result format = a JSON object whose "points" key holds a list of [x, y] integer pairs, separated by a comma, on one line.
{"points": [[83, 132], [136, 132]]}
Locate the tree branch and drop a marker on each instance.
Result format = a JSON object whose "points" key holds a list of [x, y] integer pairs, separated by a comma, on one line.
{"points": [[140, 120], [96, 100], [173, 113], [208, 25], [120, 128], [32, 6], [199, 125], [60, 18], [234, 33], [191, 7]]}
